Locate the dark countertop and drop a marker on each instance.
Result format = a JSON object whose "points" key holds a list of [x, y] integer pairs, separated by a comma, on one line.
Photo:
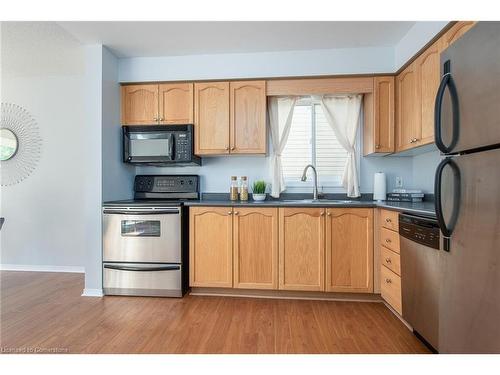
{"points": [[425, 208]]}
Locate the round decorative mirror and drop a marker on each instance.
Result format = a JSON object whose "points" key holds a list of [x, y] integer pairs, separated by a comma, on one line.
{"points": [[8, 144]]}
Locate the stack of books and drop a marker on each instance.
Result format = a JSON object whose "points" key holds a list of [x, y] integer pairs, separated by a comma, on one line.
{"points": [[404, 195]]}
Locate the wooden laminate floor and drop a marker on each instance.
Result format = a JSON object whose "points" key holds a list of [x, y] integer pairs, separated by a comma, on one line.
{"points": [[44, 312]]}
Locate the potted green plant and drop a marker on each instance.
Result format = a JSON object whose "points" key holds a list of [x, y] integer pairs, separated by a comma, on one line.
{"points": [[259, 190]]}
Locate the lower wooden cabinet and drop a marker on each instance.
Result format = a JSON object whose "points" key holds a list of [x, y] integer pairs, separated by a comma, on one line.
{"points": [[349, 250], [255, 247], [210, 247], [302, 249], [391, 288]]}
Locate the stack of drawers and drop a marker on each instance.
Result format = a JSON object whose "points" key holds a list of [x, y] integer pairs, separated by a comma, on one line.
{"points": [[390, 274]]}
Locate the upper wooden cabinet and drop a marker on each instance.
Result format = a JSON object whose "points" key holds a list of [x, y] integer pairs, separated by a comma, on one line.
{"points": [[176, 103], [230, 118], [248, 117], [455, 32], [349, 250], [210, 247], [428, 77], [139, 104], [302, 249], [407, 108], [378, 132], [211, 118], [255, 247], [154, 104]]}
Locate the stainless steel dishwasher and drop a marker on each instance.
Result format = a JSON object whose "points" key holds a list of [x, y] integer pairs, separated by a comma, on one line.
{"points": [[420, 275]]}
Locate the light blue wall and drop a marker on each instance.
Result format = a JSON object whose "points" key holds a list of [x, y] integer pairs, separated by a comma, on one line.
{"points": [[262, 64], [117, 178], [423, 169]]}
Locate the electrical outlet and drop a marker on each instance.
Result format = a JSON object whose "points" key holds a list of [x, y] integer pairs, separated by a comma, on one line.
{"points": [[399, 181]]}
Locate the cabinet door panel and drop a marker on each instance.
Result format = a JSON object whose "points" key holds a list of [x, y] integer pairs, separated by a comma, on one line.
{"points": [[176, 103], [349, 250], [301, 249], [211, 120], [384, 114], [139, 104], [248, 117], [255, 246], [408, 108], [210, 247], [428, 76]]}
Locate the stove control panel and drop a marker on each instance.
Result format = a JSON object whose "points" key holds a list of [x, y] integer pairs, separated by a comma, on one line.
{"points": [[166, 184]]}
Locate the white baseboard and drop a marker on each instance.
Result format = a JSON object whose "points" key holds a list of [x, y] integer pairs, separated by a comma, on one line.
{"points": [[92, 293], [41, 268]]}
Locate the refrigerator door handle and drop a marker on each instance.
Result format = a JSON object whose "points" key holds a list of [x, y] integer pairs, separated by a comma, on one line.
{"points": [[447, 229], [446, 81]]}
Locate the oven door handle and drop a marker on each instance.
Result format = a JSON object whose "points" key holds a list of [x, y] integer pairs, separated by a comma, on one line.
{"points": [[149, 269], [142, 212]]}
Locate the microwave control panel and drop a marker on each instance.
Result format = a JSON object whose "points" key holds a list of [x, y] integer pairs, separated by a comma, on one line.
{"points": [[183, 146]]}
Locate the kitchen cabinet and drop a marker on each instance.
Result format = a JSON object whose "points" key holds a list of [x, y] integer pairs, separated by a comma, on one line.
{"points": [[211, 118], [407, 108], [349, 250], [248, 117], [302, 249], [378, 134], [176, 103], [230, 118], [255, 247], [154, 104], [456, 32], [391, 289], [139, 104], [210, 247]]}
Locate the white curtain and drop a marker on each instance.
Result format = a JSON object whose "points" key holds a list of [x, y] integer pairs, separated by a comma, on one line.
{"points": [[342, 113], [280, 112]]}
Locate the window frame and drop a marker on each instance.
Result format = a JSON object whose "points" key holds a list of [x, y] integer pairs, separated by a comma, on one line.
{"points": [[297, 186]]}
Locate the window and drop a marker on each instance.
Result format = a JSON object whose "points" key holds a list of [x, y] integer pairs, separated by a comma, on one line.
{"points": [[312, 141]]}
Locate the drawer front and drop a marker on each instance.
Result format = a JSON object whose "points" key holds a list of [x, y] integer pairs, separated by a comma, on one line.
{"points": [[391, 288], [389, 219], [389, 239], [391, 260]]}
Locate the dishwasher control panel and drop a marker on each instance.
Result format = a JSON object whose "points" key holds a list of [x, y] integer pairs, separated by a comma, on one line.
{"points": [[422, 230]]}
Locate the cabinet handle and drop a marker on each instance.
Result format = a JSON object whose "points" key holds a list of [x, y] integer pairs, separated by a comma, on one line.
{"points": [[155, 118], [233, 148], [388, 260], [388, 281], [388, 220], [161, 118], [229, 212], [227, 148], [388, 240], [322, 213], [377, 146], [328, 214], [236, 212]]}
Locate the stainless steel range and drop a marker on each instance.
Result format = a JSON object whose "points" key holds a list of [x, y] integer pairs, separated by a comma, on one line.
{"points": [[145, 240]]}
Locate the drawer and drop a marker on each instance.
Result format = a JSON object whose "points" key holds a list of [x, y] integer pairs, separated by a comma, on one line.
{"points": [[389, 219], [390, 259], [391, 288], [389, 239]]}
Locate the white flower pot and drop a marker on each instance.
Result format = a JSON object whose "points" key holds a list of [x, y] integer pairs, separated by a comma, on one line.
{"points": [[259, 197]]}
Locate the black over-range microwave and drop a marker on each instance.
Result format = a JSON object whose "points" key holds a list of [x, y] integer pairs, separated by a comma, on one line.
{"points": [[159, 145]]}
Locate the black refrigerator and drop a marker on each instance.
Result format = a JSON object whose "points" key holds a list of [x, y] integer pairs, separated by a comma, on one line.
{"points": [[467, 191]]}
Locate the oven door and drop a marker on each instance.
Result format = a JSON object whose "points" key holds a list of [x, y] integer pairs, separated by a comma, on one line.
{"points": [[148, 235]]}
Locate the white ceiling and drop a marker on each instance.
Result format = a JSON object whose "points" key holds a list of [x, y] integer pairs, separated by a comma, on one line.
{"points": [[137, 39]]}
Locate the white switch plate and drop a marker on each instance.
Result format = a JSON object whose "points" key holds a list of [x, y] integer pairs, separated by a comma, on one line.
{"points": [[399, 181]]}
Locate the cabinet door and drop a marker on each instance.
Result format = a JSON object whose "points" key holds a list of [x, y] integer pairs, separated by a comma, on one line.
{"points": [[349, 250], [302, 249], [176, 103], [210, 247], [384, 114], [139, 105], [248, 117], [455, 32], [408, 108], [428, 81], [211, 118], [255, 248]]}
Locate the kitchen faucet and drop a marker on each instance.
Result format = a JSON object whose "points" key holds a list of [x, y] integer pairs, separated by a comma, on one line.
{"points": [[304, 178]]}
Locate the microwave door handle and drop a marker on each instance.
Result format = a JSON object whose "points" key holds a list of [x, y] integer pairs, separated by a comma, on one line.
{"points": [[170, 146]]}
